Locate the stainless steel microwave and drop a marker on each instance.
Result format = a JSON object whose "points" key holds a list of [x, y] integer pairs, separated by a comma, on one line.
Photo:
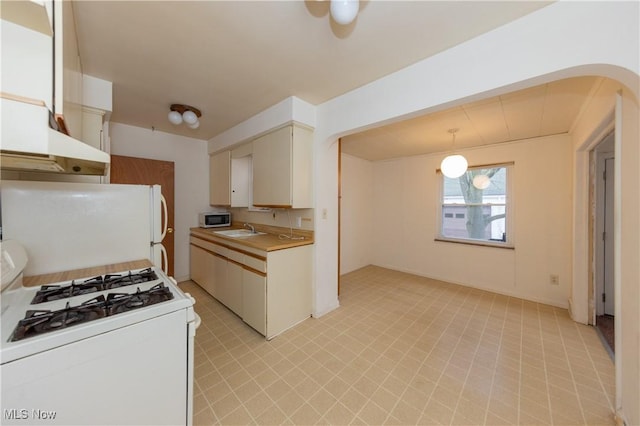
{"points": [[214, 219]]}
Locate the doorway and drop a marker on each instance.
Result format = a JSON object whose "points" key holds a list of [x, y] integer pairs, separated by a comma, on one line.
{"points": [[604, 241], [143, 171]]}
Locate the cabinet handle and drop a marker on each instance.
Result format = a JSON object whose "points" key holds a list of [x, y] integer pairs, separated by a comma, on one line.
{"points": [[169, 230]]}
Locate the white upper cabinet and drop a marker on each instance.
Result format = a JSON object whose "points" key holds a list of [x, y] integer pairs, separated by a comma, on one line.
{"points": [[32, 14], [27, 61], [220, 179], [68, 71], [282, 168]]}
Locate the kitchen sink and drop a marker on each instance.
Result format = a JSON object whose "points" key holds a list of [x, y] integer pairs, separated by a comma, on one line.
{"points": [[235, 233]]}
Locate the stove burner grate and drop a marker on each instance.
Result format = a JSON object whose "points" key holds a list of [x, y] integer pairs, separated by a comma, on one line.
{"points": [[42, 321], [116, 281], [48, 293]]}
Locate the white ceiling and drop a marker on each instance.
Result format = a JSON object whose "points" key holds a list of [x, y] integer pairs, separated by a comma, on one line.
{"points": [[543, 110], [233, 59]]}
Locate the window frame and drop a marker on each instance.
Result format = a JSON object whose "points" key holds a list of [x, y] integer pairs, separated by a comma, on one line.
{"points": [[509, 210]]}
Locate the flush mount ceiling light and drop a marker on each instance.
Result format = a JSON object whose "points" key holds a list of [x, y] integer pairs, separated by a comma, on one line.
{"points": [[186, 113], [344, 11], [455, 165]]}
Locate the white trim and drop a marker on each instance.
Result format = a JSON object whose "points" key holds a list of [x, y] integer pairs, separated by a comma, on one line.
{"points": [[617, 244]]}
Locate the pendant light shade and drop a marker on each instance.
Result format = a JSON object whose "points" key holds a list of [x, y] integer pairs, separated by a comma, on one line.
{"points": [[481, 181], [455, 165], [344, 11]]}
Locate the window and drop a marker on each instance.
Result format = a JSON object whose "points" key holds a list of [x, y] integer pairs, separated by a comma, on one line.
{"points": [[475, 206]]}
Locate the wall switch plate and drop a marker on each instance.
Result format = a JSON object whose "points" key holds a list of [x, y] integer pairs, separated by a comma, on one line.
{"points": [[324, 213]]}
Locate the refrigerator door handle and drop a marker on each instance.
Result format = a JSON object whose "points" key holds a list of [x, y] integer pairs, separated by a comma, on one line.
{"points": [[165, 225], [165, 259]]}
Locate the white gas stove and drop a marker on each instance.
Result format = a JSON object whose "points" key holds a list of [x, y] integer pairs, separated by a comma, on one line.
{"points": [[123, 341]]}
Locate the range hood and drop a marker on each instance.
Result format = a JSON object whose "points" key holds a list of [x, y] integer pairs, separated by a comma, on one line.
{"points": [[29, 143]]}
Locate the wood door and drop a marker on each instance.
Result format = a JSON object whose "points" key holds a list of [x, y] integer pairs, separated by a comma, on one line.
{"points": [[143, 171]]}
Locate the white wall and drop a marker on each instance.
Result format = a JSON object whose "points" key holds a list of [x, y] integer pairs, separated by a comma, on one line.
{"points": [[191, 177], [405, 212], [356, 214]]}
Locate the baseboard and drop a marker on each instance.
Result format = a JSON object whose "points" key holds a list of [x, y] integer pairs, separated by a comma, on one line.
{"points": [[183, 278], [318, 314], [562, 305]]}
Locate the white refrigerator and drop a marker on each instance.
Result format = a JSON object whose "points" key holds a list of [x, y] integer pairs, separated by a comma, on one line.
{"points": [[65, 226]]}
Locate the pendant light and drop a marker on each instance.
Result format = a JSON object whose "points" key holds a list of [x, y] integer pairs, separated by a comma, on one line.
{"points": [[344, 11], [481, 181], [454, 165]]}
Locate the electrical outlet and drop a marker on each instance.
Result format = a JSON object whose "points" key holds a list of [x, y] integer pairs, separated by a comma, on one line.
{"points": [[324, 213], [554, 279], [299, 222]]}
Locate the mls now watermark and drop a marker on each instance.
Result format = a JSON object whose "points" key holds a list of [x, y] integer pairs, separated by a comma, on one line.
{"points": [[28, 414]]}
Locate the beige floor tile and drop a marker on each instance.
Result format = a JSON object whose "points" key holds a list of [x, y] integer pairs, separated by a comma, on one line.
{"points": [[239, 416], [257, 404], [306, 415], [224, 406], [271, 416], [353, 400], [205, 417], [322, 401], [289, 402], [373, 414], [339, 415]]}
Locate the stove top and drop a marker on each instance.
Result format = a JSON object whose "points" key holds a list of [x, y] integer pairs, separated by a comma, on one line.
{"points": [[42, 321], [35, 319]]}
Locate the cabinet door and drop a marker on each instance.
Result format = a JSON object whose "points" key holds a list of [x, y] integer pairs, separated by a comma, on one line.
{"points": [[218, 273], [92, 128], [272, 165], [254, 301], [201, 264], [220, 179], [240, 181], [234, 287]]}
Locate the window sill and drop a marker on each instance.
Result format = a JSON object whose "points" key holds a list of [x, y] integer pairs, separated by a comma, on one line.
{"points": [[475, 243]]}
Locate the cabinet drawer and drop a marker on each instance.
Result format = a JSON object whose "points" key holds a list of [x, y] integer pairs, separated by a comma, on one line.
{"points": [[257, 264], [212, 247], [235, 256]]}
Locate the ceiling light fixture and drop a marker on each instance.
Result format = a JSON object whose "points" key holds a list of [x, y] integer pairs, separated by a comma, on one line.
{"points": [[454, 165], [481, 181], [186, 113], [344, 11]]}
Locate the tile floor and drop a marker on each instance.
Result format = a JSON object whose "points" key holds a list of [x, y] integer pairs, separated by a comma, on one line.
{"points": [[403, 350]]}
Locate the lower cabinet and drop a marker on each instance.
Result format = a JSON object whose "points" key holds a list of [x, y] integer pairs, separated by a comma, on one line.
{"points": [[201, 271], [233, 288], [254, 300], [270, 291]]}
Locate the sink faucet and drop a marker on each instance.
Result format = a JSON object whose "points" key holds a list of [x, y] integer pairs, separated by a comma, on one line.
{"points": [[250, 226]]}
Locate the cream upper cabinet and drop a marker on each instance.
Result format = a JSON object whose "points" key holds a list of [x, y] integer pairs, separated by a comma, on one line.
{"points": [[92, 131], [282, 168], [230, 177], [68, 85], [220, 179], [27, 55]]}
